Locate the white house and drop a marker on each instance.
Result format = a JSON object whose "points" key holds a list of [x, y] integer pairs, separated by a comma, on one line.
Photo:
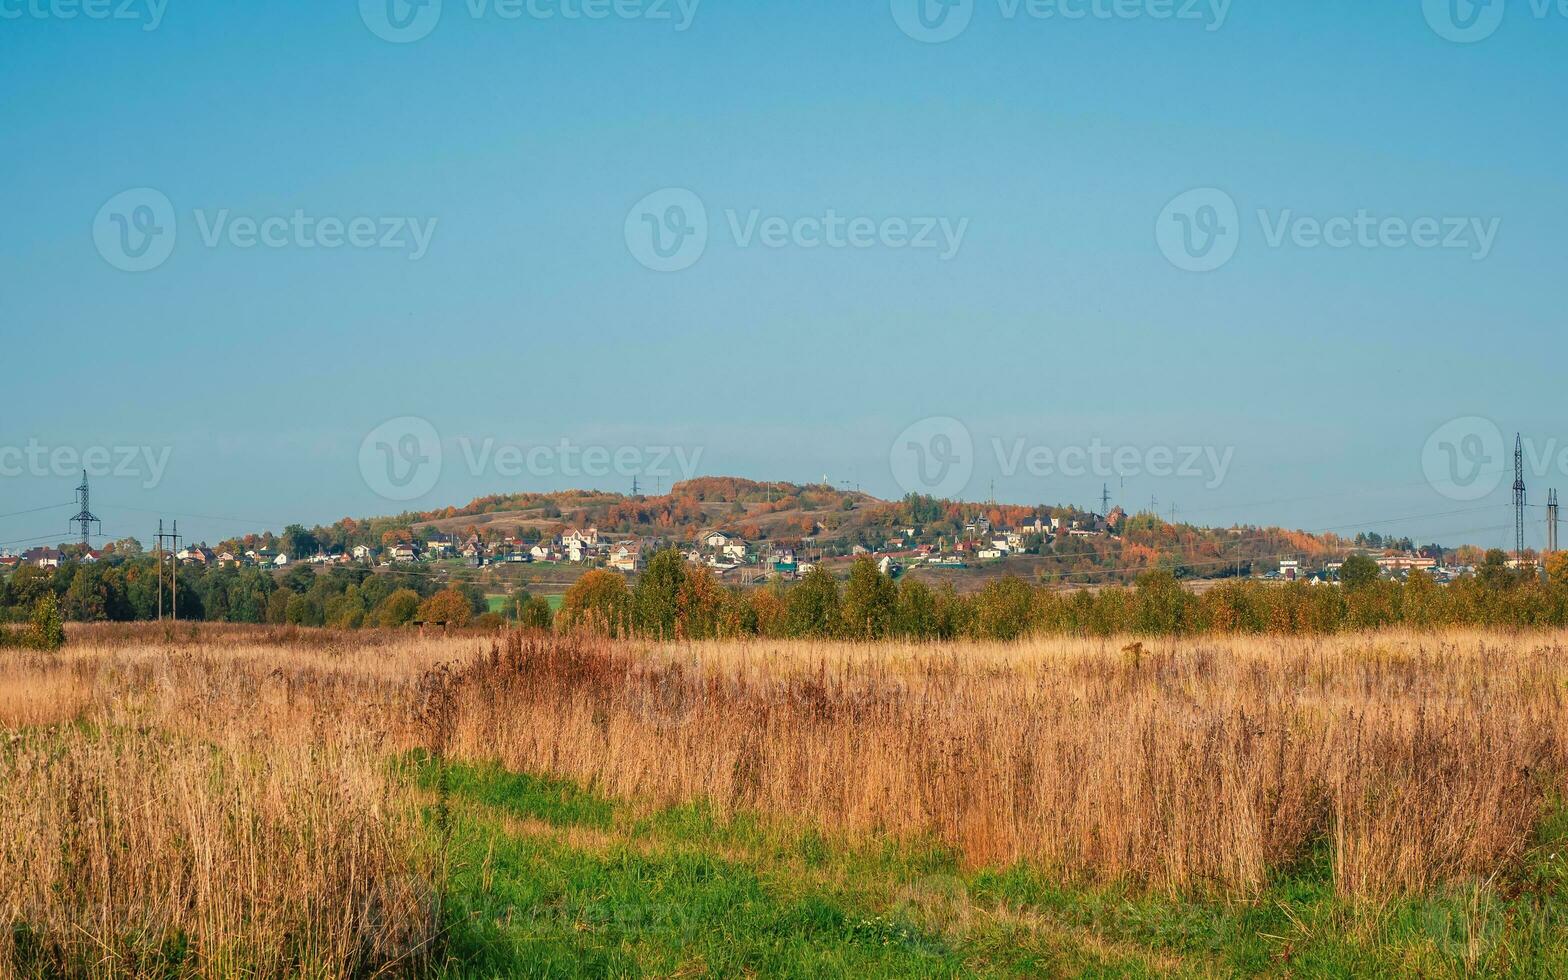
{"points": [[626, 557], [364, 552]]}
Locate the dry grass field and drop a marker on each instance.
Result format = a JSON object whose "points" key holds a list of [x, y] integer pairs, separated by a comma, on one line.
{"points": [[229, 801]]}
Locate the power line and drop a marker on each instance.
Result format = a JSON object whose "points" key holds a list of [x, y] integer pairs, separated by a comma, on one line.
{"points": [[37, 510]]}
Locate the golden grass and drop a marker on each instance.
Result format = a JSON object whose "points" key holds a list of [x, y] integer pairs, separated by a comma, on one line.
{"points": [[228, 789], [1419, 758]]}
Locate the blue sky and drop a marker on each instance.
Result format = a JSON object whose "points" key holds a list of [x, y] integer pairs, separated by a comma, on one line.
{"points": [[524, 146]]}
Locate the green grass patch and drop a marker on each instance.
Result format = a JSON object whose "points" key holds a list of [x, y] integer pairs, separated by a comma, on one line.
{"points": [[551, 879]]}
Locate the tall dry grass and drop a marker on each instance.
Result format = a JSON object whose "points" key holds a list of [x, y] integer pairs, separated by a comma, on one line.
{"points": [[1416, 758], [224, 795], [184, 811]]}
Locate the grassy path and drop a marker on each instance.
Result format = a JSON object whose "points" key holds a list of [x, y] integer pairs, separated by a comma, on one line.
{"points": [[550, 880]]}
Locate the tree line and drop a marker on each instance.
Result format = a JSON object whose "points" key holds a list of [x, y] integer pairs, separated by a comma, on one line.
{"points": [[340, 597], [674, 600]]}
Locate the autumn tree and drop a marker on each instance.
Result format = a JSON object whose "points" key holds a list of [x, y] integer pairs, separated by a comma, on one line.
{"points": [[598, 602], [449, 606], [397, 609]]}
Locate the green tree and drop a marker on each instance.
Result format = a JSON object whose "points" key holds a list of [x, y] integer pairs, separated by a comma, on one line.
{"points": [[656, 601], [303, 610], [870, 600], [398, 608], [537, 614], [47, 632], [1002, 609], [814, 605], [1359, 571], [915, 616]]}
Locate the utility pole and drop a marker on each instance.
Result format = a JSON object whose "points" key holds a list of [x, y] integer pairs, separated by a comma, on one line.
{"points": [[1551, 522], [1519, 499], [173, 538], [85, 516]]}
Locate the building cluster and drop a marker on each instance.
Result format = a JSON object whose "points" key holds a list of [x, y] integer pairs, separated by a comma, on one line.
{"points": [[1396, 565]]}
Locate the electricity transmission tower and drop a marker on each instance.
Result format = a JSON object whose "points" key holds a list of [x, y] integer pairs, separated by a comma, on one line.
{"points": [[1519, 498], [85, 517]]}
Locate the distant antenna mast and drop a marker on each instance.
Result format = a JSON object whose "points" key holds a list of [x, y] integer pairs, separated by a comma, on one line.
{"points": [[1519, 498], [1551, 522], [85, 518]]}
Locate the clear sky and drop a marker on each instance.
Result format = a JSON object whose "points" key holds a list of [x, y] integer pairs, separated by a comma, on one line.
{"points": [[1012, 201]]}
